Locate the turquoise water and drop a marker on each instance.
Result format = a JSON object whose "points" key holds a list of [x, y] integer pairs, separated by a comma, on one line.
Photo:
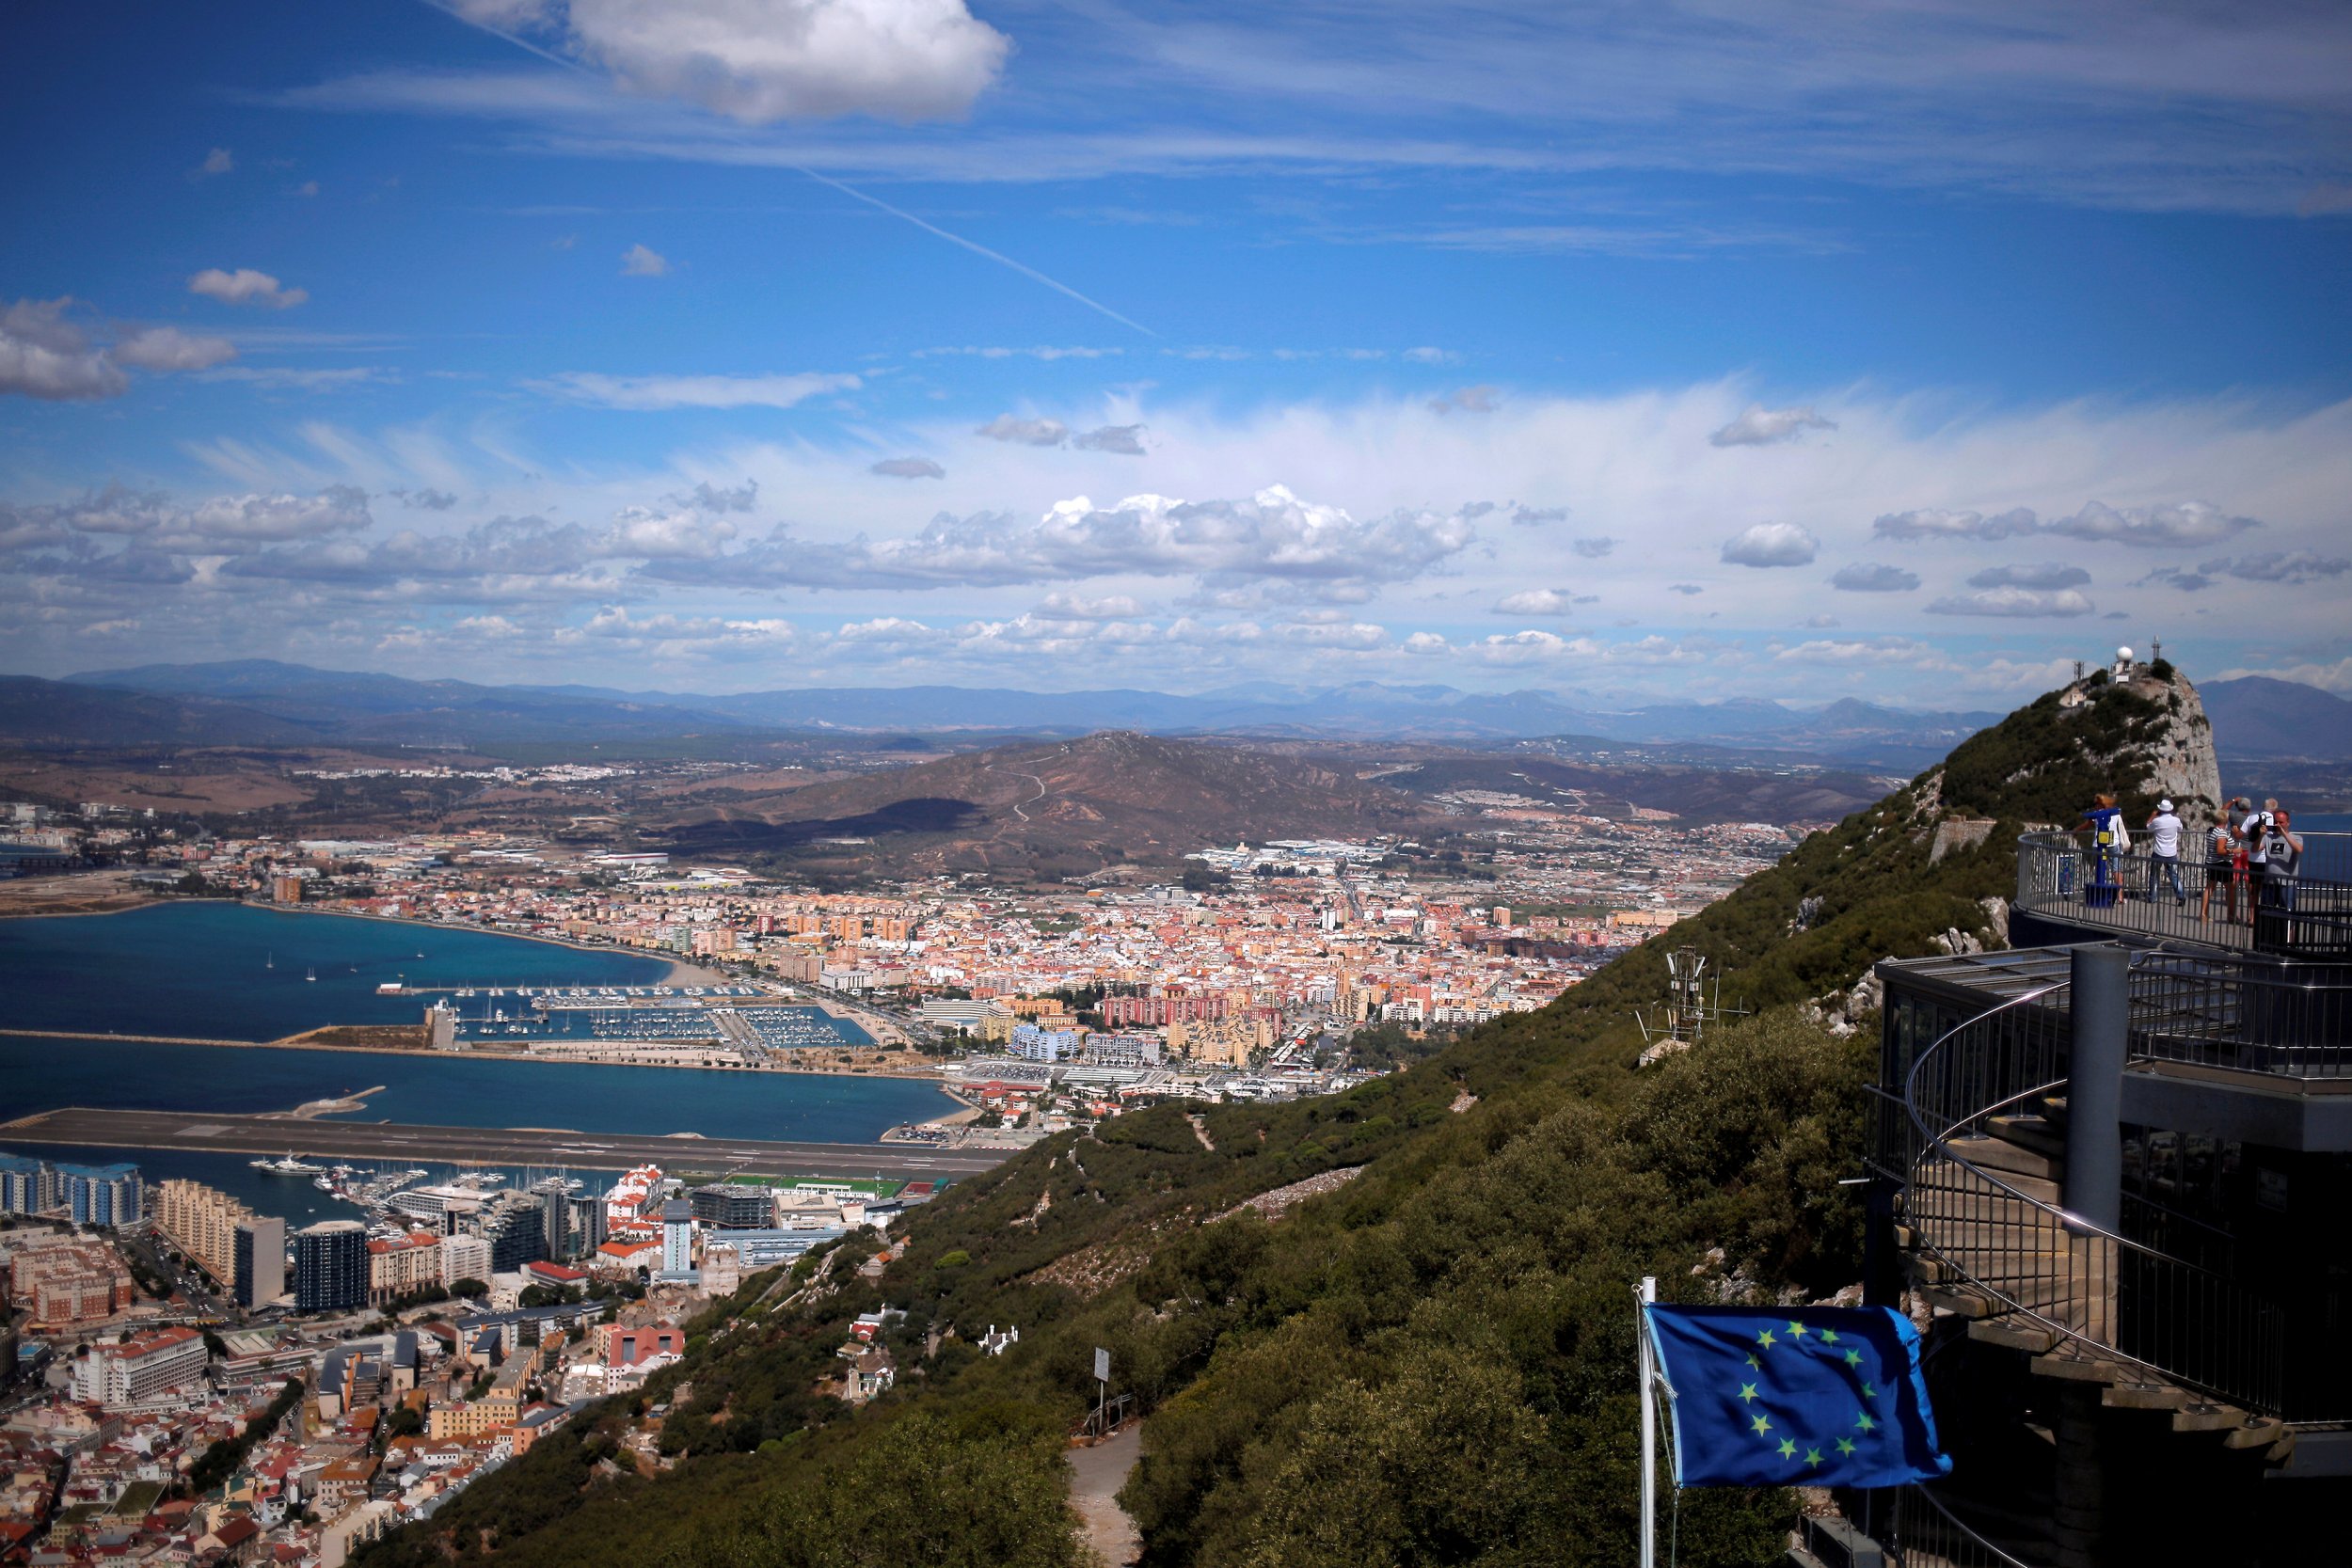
{"points": [[213, 970]]}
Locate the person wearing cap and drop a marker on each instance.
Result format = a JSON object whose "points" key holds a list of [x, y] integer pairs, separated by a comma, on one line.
{"points": [[2165, 828], [2283, 856], [2226, 867]]}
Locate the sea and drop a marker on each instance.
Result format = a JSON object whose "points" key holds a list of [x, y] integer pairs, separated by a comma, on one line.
{"points": [[222, 970]]}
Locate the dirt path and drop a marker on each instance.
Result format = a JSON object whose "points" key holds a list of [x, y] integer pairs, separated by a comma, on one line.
{"points": [[1096, 1474]]}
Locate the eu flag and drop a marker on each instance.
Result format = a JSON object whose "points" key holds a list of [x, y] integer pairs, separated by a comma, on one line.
{"points": [[1805, 1395]]}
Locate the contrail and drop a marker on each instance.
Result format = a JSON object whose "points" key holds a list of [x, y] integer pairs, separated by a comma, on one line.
{"points": [[976, 249], [448, 8]]}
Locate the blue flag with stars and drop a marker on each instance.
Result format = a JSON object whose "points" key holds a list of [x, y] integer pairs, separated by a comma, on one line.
{"points": [[1804, 1396]]}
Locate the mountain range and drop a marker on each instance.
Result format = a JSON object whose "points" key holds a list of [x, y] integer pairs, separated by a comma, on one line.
{"points": [[267, 702]]}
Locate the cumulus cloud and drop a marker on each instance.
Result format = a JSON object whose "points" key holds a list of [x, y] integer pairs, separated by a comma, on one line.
{"points": [[427, 500], [1536, 517], [1272, 534], [1027, 432], [2272, 566], [44, 356], [655, 392], [1467, 400], [1593, 548], [672, 636], [1759, 426], [2047, 573], [643, 260], [706, 496], [1070, 606], [1771, 545], [646, 533], [1866, 577], [168, 348], [908, 467], [246, 286], [1861, 650], [1685, 589], [218, 161], [1124, 438], [2022, 603], [758, 61], [1540, 601], [1936, 523]]}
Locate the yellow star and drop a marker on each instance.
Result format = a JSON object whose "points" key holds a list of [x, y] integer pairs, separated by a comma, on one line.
{"points": [[1765, 1339], [1812, 1456], [1845, 1445], [1829, 1336], [1761, 1426], [1788, 1449], [1747, 1391], [1865, 1423], [1753, 1362], [1853, 1358], [1870, 1391], [1796, 1329]]}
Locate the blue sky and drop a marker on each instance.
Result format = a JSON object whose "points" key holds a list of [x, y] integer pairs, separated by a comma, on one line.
{"points": [[1908, 352]]}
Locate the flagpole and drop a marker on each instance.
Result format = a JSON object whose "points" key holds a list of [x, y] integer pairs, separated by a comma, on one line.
{"points": [[1647, 1295]]}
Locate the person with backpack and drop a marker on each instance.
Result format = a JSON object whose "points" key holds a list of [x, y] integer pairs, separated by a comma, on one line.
{"points": [[2226, 865], [2165, 829], [2109, 839]]}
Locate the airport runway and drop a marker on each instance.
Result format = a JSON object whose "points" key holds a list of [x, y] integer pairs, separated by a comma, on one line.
{"points": [[489, 1145]]}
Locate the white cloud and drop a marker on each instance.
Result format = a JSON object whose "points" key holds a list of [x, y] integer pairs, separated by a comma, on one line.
{"points": [[1759, 426], [246, 286], [1429, 356], [218, 161], [643, 260], [908, 467], [1591, 549], [2023, 603], [654, 392], [1866, 577], [1127, 439], [44, 356], [2286, 566], [1028, 433], [2046, 574], [1537, 601], [1068, 607], [2171, 524], [763, 60], [1936, 523], [1771, 545], [168, 348]]}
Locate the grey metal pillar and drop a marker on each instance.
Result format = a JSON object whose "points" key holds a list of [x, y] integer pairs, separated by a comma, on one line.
{"points": [[2101, 1003]]}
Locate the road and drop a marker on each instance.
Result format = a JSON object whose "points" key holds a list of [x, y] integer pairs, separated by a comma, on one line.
{"points": [[490, 1146]]}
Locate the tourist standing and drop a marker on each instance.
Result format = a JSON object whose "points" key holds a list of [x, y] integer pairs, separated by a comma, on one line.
{"points": [[2165, 828], [2225, 866], [2110, 838], [2282, 858]]}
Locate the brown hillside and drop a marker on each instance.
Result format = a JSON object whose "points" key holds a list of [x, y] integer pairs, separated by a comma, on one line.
{"points": [[1057, 807]]}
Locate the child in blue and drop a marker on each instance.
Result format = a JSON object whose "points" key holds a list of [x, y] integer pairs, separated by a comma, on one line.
{"points": [[2110, 838]]}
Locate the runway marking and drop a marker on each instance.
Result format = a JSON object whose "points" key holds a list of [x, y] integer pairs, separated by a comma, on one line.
{"points": [[203, 1129]]}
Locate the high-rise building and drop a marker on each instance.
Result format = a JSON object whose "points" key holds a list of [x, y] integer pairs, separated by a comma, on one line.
{"points": [[677, 1236], [465, 1257], [515, 1225], [103, 1194], [402, 1265], [203, 1223], [555, 1216], [138, 1369], [27, 1186], [258, 1260], [331, 1266], [587, 1230]]}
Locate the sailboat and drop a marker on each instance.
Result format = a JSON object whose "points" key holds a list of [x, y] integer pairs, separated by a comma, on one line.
{"points": [[269, 960], [309, 974]]}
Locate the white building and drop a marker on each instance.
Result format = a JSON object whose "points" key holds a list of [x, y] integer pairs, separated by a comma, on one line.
{"points": [[140, 1369]]}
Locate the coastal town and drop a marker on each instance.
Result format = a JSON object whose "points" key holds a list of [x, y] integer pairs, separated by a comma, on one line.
{"points": [[184, 1382], [1259, 956]]}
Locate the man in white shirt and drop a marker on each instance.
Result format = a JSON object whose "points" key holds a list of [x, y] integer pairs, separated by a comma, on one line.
{"points": [[2164, 853]]}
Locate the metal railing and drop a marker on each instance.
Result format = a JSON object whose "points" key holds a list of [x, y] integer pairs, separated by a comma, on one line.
{"points": [[2309, 915], [2004, 1235], [2286, 1020], [1926, 1533]]}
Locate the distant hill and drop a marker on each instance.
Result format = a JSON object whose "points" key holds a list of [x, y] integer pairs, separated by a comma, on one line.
{"points": [[2255, 715], [390, 708], [51, 713], [1053, 808]]}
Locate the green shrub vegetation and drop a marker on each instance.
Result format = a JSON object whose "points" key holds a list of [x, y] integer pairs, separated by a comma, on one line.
{"points": [[1431, 1364]]}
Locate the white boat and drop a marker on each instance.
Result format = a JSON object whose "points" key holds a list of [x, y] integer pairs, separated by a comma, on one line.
{"points": [[288, 1166]]}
